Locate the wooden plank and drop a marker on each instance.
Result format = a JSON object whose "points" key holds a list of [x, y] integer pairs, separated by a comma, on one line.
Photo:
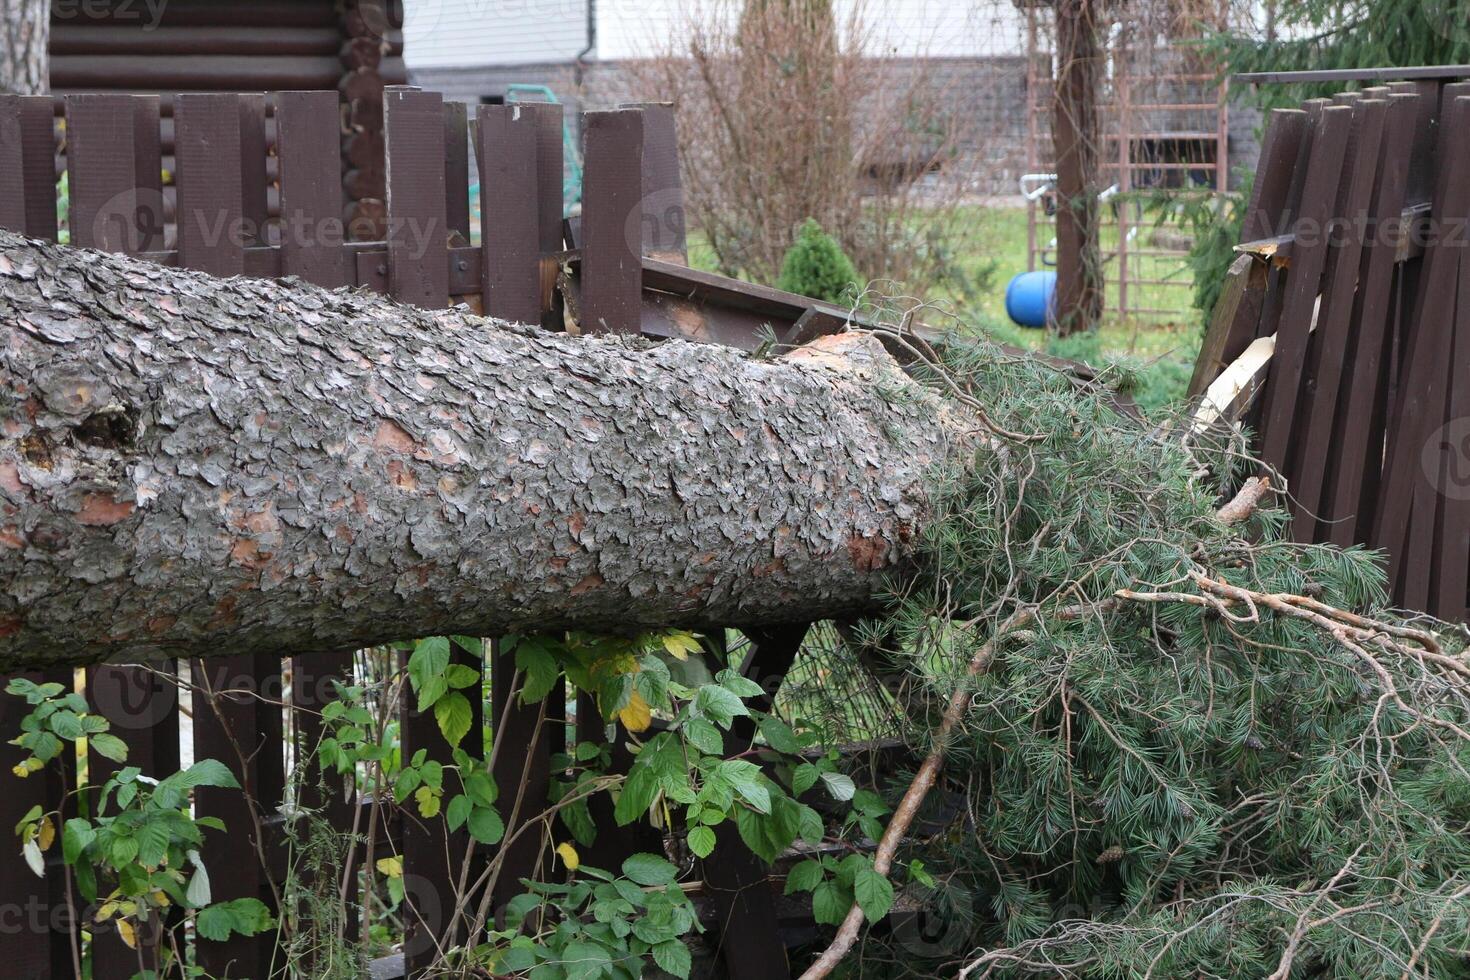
{"points": [[528, 735], [664, 222], [236, 725], [1452, 540], [1427, 175], [148, 172], [1358, 435], [612, 273], [28, 166], [100, 162], [311, 188], [143, 708], [1279, 149], [614, 844], [1232, 322], [1432, 540], [1317, 410], [1325, 164], [1408, 507], [314, 685], [1352, 75], [254, 180], [736, 878], [510, 238], [457, 171], [418, 261], [1426, 128], [434, 860], [550, 172], [210, 179]]}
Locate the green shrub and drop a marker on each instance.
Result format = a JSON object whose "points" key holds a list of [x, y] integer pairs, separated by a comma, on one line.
{"points": [[816, 266]]}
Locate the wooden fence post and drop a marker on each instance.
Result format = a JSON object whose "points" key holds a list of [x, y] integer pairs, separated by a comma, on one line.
{"points": [[510, 244], [28, 165], [612, 268]]}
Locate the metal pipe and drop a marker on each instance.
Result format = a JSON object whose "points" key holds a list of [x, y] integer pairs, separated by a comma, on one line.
{"points": [[581, 60]]}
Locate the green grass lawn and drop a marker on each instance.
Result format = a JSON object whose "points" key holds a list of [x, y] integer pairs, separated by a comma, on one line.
{"points": [[990, 248]]}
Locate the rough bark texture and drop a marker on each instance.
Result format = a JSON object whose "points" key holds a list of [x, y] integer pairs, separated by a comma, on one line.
{"points": [[195, 466], [1075, 137], [25, 27]]}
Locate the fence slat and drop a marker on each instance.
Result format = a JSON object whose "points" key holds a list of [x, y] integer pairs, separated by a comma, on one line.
{"points": [[210, 210], [1332, 339], [551, 201], [1406, 525], [100, 163], [433, 858], [1236, 315], [148, 172], [510, 237], [143, 709], [311, 190], [1452, 578], [612, 269], [1269, 197], [314, 679], [1347, 507], [1308, 258], [254, 202], [28, 166], [736, 877], [614, 844], [1446, 539], [237, 720], [528, 735], [665, 234], [457, 172], [418, 258]]}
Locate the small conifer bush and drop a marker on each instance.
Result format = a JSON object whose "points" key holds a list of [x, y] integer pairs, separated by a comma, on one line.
{"points": [[816, 266]]}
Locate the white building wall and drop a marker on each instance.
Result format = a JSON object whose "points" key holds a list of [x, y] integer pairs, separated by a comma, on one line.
{"points": [[475, 33], [471, 33]]}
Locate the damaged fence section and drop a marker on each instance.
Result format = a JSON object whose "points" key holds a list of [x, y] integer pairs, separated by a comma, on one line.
{"points": [[251, 184], [1342, 338]]}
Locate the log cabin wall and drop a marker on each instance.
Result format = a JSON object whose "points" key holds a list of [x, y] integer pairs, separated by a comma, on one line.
{"points": [[353, 47]]}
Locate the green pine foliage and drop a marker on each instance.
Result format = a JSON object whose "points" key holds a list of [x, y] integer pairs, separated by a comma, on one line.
{"points": [[1156, 789], [816, 266], [1327, 34]]}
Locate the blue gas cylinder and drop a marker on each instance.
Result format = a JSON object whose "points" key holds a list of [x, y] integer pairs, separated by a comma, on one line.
{"points": [[1031, 296]]}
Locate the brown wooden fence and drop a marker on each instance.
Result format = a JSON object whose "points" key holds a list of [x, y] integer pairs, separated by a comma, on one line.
{"points": [[594, 274], [1343, 334]]}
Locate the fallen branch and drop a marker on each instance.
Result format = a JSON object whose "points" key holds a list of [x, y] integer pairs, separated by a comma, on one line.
{"points": [[1357, 633]]}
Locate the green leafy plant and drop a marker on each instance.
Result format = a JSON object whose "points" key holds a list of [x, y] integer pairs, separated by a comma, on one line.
{"points": [[137, 853], [599, 926]]}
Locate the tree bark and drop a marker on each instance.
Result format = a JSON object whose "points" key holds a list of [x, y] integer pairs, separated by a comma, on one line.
{"points": [[193, 466], [25, 31], [1075, 140]]}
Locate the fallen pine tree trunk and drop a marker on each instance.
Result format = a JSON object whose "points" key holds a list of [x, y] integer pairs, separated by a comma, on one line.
{"points": [[195, 466]]}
